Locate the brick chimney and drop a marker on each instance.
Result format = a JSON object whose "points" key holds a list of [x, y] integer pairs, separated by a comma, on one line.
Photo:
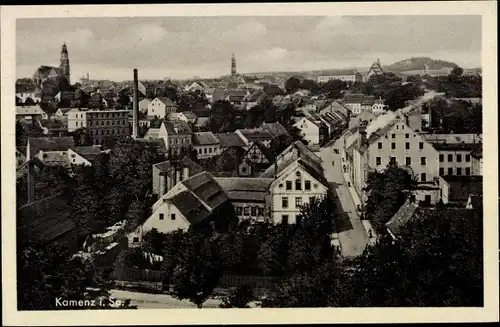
{"points": [[135, 122]]}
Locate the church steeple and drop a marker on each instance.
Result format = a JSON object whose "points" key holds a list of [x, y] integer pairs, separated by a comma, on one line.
{"points": [[233, 65], [64, 65]]}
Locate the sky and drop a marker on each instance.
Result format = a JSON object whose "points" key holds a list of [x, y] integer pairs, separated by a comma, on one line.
{"points": [[184, 47]]}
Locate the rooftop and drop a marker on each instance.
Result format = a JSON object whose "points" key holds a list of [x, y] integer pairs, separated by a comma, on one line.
{"points": [[228, 140], [204, 138], [245, 188], [37, 144]]}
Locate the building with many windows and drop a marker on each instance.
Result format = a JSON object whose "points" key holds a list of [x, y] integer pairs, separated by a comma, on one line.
{"points": [[374, 148], [100, 125], [298, 178], [349, 75], [206, 145]]}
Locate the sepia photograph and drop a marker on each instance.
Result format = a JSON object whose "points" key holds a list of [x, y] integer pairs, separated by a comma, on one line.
{"points": [[211, 160]]}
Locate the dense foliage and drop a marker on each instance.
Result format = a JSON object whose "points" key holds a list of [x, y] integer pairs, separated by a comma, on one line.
{"points": [[455, 116], [47, 273], [386, 191]]}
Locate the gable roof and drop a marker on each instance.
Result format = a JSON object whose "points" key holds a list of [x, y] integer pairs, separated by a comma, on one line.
{"points": [[45, 220], [255, 134], [401, 217], [205, 188], [37, 144], [29, 110], [88, 152], [264, 149], [167, 101], [228, 140], [168, 166], [189, 114], [177, 127], [204, 138], [275, 129], [245, 188], [190, 207]]}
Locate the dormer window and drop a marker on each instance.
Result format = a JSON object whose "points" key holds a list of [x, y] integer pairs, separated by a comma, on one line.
{"points": [[297, 174]]}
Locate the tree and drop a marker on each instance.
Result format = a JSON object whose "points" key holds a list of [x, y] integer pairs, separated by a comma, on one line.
{"points": [[386, 191], [222, 117], [21, 138], [317, 288], [81, 137], [457, 72], [437, 259], [48, 272], [230, 159], [239, 298], [310, 85], [292, 85], [199, 270], [136, 214]]}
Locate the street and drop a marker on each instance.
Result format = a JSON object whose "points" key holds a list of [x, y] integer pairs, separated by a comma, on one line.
{"points": [[351, 233]]}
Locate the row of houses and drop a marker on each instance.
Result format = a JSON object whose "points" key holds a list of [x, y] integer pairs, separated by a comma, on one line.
{"points": [[430, 158], [188, 195]]}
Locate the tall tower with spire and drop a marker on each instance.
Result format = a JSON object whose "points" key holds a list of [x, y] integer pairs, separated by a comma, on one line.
{"points": [[233, 66], [64, 65]]}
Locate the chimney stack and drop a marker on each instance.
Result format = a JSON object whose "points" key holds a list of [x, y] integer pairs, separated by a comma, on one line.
{"points": [[135, 122], [31, 181]]}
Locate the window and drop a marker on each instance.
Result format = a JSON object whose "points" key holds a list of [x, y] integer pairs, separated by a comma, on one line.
{"points": [[397, 126], [380, 145], [408, 161], [423, 161], [459, 158], [76, 124], [450, 171], [459, 171], [392, 161], [209, 150], [407, 145], [467, 158], [246, 211], [450, 158], [441, 171], [421, 145], [239, 210], [253, 211], [402, 126], [393, 145], [288, 185], [423, 177], [298, 185], [378, 161], [298, 202], [243, 169], [307, 185], [393, 136], [135, 240], [284, 202], [284, 219], [260, 211], [467, 171], [407, 136], [205, 150], [161, 216], [441, 157]]}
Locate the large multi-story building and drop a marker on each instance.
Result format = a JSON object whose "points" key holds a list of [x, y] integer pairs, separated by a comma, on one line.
{"points": [[372, 148], [100, 125], [455, 152], [350, 75]]}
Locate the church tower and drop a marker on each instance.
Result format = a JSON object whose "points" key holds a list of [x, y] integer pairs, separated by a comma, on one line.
{"points": [[64, 65], [233, 66]]}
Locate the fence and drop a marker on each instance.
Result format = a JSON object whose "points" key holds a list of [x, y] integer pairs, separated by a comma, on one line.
{"points": [[152, 279]]}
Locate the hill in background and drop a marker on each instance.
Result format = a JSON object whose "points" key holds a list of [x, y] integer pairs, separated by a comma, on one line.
{"points": [[418, 64]]}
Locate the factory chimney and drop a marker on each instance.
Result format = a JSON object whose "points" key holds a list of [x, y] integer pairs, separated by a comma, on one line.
{"points": [[135, 122]]}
